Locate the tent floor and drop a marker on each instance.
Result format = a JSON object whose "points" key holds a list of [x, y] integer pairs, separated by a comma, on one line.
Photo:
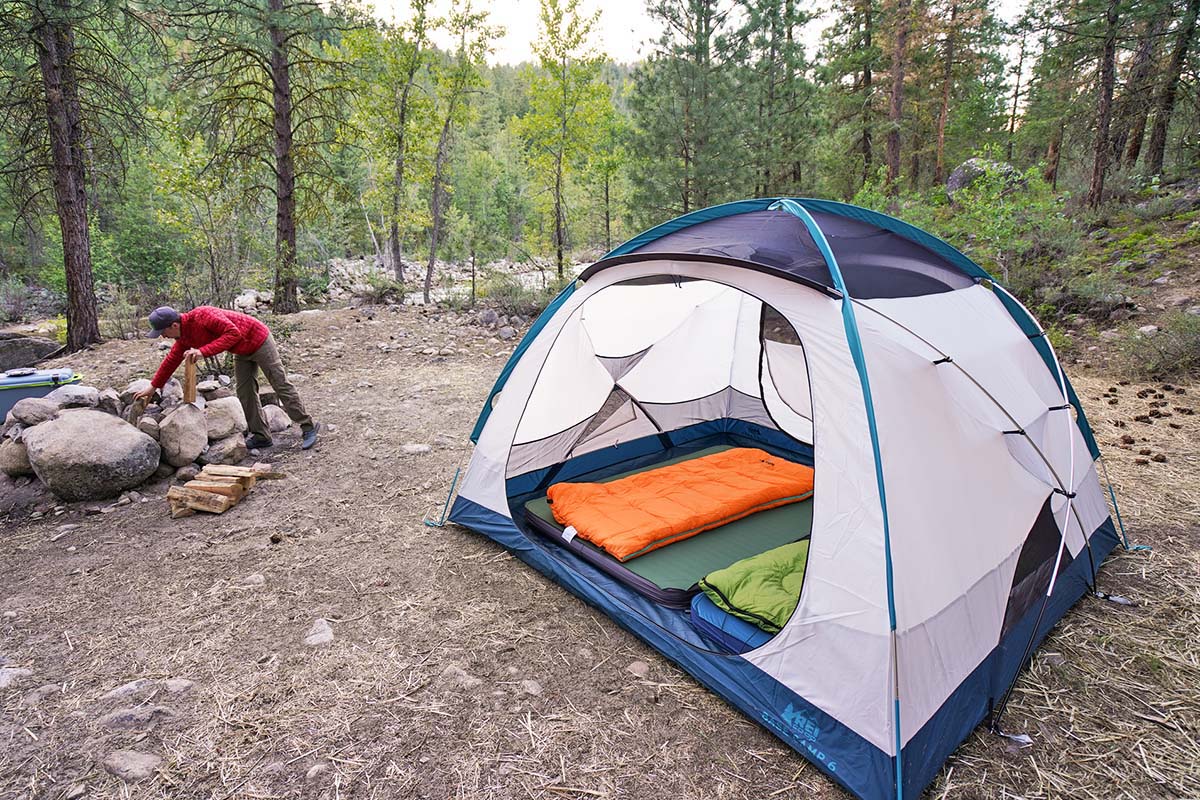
{"points": [[669, 575]]}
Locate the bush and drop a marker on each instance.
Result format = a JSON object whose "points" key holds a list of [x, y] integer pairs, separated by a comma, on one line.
{"points": [[509, 295], [14, 300], [381, 290], [1172, 352]]}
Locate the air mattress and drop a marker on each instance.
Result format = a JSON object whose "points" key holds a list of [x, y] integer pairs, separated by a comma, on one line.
{"points": [[731, 633]]}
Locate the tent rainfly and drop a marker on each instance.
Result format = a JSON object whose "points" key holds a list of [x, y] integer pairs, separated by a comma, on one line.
{"points": [[956, 512]]}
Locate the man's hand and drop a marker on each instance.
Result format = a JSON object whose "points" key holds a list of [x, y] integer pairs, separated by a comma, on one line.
{"points": [[193, 355], [146, 394]]}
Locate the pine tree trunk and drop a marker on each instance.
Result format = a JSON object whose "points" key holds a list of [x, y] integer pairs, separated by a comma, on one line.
{"points": [[55, 59], [393, 241], [437, 202], [939, 167], [867, 87], [1164, 105], [1132, 109], [896, 109], [1012, 119], [286, 299], [607, 215], [398, 177], [1104, 106], [1053, 155]]}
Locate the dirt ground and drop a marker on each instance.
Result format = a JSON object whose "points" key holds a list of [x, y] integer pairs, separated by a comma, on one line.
{"points": [[456, 671]]}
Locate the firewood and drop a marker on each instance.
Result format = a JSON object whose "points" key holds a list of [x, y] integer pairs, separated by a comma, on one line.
{"points": [[233, 490], [229, 471], [246, 482], [201, 501], [189, 380]]}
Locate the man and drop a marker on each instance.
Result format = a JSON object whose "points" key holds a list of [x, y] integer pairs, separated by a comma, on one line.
{"points": [[204, 332]]}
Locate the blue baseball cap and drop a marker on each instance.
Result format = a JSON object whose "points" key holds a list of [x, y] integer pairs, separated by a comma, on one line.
{"points": [[162, 318]]}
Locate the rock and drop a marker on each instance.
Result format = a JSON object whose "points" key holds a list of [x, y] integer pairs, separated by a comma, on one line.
{"points": [[246, 301], [254, 579], [295, 377], [320, 633], [459, 677], [14, 458], [216, 394], [639, 669], [224, 380], [1194, 311], [225, 418], [34, 697], [164, 345], [164, 470], [268, 398], [488, 317], [90, 455], [171, 394], [24, 351], [276, 418], [230, 450], [178, 685], [507, 332], [315, 771], [531, 687], [1160, 281], [1110, 335], [204, 387], [11, 676], [415, 449], [109, 402], [140, 385], [148, 426], [34, 410], [187, 472], [183, 434], [74, 396], [131, 766], [131, 689], [971, 170], [1148, 330], [137, 717]]}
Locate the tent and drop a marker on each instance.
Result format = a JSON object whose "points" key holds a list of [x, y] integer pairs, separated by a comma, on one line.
{"points": [[957, 513]]}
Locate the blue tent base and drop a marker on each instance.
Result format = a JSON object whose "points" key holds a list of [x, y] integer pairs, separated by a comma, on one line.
{"points": [[842, 755]]}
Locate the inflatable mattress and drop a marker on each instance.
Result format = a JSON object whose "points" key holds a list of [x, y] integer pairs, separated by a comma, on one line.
{"points": [[731, 633]]}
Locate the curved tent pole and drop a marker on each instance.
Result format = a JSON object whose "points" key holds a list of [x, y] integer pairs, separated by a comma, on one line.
{"points": [[854, 342]]}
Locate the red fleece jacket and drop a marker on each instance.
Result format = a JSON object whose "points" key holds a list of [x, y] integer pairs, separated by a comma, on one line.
{"points": [[211, 331]]}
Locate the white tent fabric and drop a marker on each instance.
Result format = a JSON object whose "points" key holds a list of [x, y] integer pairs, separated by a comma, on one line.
{"points": [[963, 489]]}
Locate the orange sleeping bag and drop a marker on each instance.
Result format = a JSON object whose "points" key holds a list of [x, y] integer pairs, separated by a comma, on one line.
{"points": [[643, 512]]}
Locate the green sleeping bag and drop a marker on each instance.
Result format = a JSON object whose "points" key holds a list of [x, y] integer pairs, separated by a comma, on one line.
{"points": [[763, 589]]}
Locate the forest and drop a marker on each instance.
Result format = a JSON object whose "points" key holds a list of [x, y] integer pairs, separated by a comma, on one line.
{"points": [[178, 150]]}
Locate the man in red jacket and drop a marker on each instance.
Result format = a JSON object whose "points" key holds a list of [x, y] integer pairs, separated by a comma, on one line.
{"points": [[206, 331]]}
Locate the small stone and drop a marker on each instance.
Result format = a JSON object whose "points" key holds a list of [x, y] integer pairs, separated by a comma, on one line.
{"points": [[459, 677], [295, 377], [223, 380], [134, 687], [230, 450], [74, 396], [639, 669], [205, 387], [10, 614], [1159, 458], [1148, 330], [531, 687], [164, 345], [137, 717], [254, 579], [11, 676], [34, 697], [412, 449], [507, 332], [187, 472], [130, 765], [178, 685], [320, 633], [315, 771]]}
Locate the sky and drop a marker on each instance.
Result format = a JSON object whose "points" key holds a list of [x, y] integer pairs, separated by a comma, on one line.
{"points": [[625, 30]]}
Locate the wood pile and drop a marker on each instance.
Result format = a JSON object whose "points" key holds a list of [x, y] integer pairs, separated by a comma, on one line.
{"points": [[217, 488]]}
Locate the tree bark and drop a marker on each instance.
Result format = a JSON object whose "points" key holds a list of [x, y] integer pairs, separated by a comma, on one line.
{"points": [[1101, 148], [63, 114], [398, 177], [1053, 155], [1164, 105], [286, 299], [1012, 119], [437, 202], [867, 87], [939, 167], [1133, 107], [896, 108]]}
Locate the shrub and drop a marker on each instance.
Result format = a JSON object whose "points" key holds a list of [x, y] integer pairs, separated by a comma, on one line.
{"points": [[381, 289], [1172, 352], [14, 300], [509, 295]]}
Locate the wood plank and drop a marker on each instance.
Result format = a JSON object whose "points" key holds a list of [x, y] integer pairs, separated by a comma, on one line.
{"points": [[229, 471], [246, 483], [229, 489], [178, 512], [189, 380], [201, 501]]}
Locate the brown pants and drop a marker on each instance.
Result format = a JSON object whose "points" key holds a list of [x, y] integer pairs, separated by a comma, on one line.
{"points": [[245, 370]]}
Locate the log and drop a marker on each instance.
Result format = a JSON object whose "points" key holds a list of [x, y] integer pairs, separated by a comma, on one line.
{"points": [[228, 471], [178, 511], [246, 482], [201, 501], [189, 380], [233, 490]]}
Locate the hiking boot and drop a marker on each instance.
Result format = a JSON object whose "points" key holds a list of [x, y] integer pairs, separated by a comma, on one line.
{"points": [[310, 436], [256, 442]]}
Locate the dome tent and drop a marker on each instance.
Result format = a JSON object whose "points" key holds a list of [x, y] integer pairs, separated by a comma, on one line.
{"points": [[956, 513]]}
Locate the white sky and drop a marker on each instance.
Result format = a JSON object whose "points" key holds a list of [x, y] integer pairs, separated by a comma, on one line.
{"points": [[624, 33]]}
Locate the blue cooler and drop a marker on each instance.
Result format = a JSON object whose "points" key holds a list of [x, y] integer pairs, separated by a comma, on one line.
{"points": [[17, 384]]}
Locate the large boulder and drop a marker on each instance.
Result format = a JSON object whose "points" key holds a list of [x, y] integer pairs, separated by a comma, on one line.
{"points": [[89, 455], [24, 351], [110, 402], [230, 450], [276, 418], [182, 434], [74, 396], [34, 410], [225, 418], [14, 457], [971, 170]]}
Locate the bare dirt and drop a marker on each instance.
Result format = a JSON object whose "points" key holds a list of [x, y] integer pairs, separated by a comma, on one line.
{"points": [[456, 671]]}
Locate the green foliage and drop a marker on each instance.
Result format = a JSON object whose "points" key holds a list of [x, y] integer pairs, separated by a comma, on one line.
{"points": [[508, 294], [381, 290]]}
